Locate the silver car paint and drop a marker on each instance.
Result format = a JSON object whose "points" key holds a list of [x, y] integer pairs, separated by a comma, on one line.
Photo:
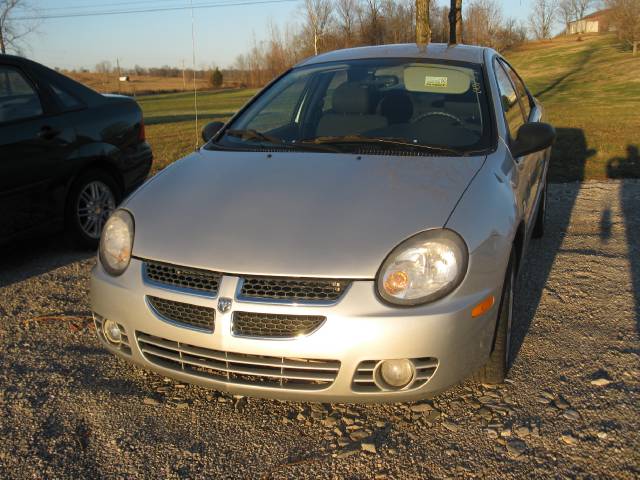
{"points": [[293, 213], [223, 197]]}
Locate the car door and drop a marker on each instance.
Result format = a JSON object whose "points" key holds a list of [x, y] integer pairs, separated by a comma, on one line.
{"points": [[532, 113], [515, 118], [33, 143]]}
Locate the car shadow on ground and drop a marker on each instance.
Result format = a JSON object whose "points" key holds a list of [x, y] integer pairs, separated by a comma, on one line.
{"points": [[568, 159], [29, 258], [626, 168]]}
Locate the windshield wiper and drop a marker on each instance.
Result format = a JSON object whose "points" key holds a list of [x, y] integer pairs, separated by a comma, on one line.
{"points": [[253, 135], [388, 141]]}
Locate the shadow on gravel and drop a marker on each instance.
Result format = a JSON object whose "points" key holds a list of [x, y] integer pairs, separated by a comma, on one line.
{"points": [[568, 159], [22, 260], [625, 168]]}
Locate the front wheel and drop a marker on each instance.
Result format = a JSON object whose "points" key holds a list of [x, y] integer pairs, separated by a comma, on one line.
{"points": [[496, 368], [92, 198]]}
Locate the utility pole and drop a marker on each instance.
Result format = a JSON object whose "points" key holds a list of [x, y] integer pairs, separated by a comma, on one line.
{"points": [[184, 78], [118, 70]]}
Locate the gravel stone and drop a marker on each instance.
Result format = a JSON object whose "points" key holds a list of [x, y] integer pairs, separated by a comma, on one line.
{"points": [[68, 407]]}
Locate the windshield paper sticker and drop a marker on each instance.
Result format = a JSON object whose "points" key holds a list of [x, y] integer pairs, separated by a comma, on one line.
{"points": [[440, 82]]}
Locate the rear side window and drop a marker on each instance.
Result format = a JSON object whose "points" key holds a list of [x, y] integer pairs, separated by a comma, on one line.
{"points": [[18, 99], [509, 101], [520, 89]]}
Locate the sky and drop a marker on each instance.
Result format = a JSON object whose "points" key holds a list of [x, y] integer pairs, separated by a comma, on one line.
{"points": [[162, 38]]}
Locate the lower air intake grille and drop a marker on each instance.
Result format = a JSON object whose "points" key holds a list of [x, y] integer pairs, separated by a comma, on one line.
{"points": [[182, 277], [184, 313], [364, 381], [239, 368], [313, 290], [273, 325]]}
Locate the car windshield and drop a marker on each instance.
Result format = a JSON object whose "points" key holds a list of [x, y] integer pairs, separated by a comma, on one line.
{"points": [[369, 106]]}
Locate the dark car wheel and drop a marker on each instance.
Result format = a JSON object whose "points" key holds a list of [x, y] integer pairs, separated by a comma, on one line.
{"points": [[538, 228], [496, 368], [92, 198]]}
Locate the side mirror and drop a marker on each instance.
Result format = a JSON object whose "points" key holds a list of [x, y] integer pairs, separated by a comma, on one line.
{"points": [[210, 129], [533, 137]]}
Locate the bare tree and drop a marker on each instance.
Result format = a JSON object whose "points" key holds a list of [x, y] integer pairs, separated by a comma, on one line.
{"points": [[567, 11], [581, 7], [319, 14], [543, 17], [423, 28], [483, 22], [346, 11], [625, 17], [455, 22], [13, 30]]}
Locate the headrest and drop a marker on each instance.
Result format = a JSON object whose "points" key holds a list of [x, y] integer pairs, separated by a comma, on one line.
{"points": [[351, 98], [397, 107]]}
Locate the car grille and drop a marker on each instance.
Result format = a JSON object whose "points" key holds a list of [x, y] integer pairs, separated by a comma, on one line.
{"points": [[184, 313], [273, 325], [124, 346], [182, 277], [363, 380], [239, 368], [311, 290]]}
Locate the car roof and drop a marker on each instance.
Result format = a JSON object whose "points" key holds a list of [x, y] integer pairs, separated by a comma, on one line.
{"points": [[434, 51]]}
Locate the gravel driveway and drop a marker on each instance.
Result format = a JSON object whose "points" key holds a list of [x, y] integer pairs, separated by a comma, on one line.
{"points": [[571, 406]]}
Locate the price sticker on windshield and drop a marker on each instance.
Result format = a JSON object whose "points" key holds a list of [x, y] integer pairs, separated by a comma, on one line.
{"points": [[439, 82]]}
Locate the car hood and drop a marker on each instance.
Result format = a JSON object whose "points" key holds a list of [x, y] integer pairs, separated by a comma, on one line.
{"points": [[293, 213]]}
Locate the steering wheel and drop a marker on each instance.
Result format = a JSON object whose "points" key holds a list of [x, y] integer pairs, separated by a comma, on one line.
{"points": [[438, 114]]}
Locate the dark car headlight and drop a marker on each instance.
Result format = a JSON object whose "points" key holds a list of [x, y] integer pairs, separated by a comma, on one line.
{"points": [[423, 268], [116, 242]]}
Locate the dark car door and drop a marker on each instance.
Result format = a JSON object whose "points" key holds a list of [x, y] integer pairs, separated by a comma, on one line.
{"points": [[33, 144]]}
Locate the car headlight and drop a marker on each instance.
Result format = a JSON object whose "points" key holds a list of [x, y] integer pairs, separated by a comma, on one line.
{"points": [[423, 268], [116, 242]]}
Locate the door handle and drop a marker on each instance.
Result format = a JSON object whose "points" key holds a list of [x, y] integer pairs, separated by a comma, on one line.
{"points": [[47, 132]]}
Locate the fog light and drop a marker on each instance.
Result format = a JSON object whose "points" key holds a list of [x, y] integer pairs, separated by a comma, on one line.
{"points": [[112, 332], [396, 374]]}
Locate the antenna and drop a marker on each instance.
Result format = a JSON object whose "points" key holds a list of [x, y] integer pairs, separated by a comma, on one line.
{"points": [[195, 87]]}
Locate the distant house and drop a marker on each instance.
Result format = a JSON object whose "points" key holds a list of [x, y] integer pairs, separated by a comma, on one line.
{"points": [[597, 22]]}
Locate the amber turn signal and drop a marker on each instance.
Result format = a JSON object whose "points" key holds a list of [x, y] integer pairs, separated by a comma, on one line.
{"points": [[483, 307]]}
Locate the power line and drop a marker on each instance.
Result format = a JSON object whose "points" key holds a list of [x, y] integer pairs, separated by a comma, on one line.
{"points": [[152, 10], [93, 6]]}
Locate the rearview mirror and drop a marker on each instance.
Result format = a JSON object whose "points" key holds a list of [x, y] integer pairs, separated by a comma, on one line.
{"points": [[210, 129], [533, 137]]}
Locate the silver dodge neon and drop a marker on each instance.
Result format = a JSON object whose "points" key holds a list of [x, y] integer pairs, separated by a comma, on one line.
{"points": [[352, 234]]}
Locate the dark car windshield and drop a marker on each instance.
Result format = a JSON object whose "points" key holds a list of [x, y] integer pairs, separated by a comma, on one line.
{"points": [[380, 104]]}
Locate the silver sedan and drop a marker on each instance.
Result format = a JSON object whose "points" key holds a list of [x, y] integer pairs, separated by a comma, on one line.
{"points": [[353, 233]]}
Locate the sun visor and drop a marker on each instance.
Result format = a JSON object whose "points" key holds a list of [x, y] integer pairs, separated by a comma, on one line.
{"points": [[437, 79]]}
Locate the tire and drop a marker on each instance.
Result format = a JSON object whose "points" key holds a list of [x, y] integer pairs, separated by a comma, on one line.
{"points": [[496, 368], [91, 199], [538, 227]]}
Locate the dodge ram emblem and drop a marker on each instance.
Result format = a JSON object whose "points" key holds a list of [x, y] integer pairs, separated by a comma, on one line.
{"points": [[224, 305]]}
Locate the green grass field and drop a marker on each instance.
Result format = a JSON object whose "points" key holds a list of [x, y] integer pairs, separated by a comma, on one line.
{"points": [[591, 93], [590, 90]]}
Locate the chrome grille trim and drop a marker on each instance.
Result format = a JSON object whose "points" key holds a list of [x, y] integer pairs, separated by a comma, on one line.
{"points": [[239, 368], [291, 290], [364, 382], [187, 279], [183, 314], [274, 325]]}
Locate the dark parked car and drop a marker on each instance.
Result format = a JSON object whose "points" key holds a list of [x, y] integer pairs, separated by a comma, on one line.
{"points": [[68, 155]]}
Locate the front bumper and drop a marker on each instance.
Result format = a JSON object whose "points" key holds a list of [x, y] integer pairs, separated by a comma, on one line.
{"points": [[358, 332]]}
